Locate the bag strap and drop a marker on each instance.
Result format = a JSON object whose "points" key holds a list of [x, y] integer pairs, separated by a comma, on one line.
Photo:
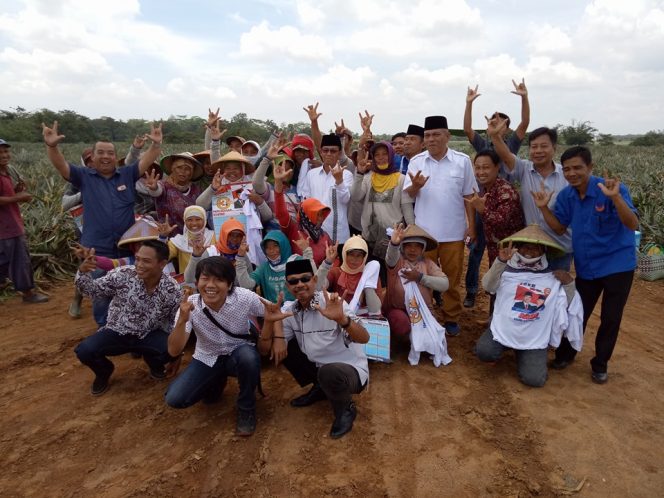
{"points": [[251, 337]]}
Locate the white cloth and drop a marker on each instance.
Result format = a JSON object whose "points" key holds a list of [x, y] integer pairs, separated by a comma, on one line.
{"points": [[322, 186], [369, 279], [182, 242], [301, 188], [426, 334], [439, 205], [254, 230], [538, 320]]}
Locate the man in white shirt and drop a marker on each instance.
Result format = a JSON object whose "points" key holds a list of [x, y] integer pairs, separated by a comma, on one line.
{"points": [[438, 181], [331, 185]]}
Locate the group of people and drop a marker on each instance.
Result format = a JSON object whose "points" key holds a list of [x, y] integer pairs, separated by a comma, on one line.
{"points": [[369, 229]]}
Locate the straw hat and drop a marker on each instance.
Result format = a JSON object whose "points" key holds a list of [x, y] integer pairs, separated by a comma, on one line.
{"points": [[167, 164], [412, 231], [202, 156], [234, 157], [535, 235], [235, 137], [145, 228]]}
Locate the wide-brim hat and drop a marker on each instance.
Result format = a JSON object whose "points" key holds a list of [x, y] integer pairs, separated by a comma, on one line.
{"points": [[413, 231], [252, 142], [234, 157], [145, 228], [235, 137], [167, 164], [202, 155], [534, 234]]}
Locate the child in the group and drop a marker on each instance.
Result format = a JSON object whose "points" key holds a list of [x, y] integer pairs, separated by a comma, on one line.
{"points": [[194, 233], [411, 280], [356, 280], [269, 276], [534, 307]]}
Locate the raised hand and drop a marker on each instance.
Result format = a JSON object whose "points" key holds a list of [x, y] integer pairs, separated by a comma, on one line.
{"points": [[331, 252], [564, 277], [520, 88], [243, 249], [478, 202], [312, 112], [363, 166], [255, 198], [213, 117], [334, 307], [186, 306], [495, 125], [366, 120], [276, 146], [610, 187], [472, 94], [273, 311], [151, 179], [215, 132], [303, 242], [216, 180], [155, 134], [505, 252], [410, 274], [165, 228], [89, 263], [338, 173], [51, 137], [80, 251], [542, 197], [397, 233], [197, 247], [139, 141], [418, 180], [339, 128]]}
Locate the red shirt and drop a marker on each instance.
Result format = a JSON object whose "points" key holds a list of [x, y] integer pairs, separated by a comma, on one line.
{"points": [[11, 223]]}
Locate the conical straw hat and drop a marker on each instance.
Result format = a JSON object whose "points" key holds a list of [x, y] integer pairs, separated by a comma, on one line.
{"points": [[415, 231], [145, 228], [167, 164], [234, 157], [535, 235]]}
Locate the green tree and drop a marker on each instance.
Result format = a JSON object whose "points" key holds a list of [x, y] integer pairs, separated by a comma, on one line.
{"points": [[578, 133], [649, 139], [605, 139]]}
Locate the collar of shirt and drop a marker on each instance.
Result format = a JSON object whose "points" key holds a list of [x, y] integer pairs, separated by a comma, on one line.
{"points": [[448, 153], [317, 299], [557, 168]]}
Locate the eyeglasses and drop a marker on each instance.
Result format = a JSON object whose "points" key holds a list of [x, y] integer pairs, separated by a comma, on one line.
{"points": [[297, 280]]}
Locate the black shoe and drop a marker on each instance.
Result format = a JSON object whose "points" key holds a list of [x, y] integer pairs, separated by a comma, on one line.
{"points": [[159, 374], [314, 395], [469, 302], [599, 377], [560, 364], [343, 421], [246, 423], [100, 384], [452, 329]]}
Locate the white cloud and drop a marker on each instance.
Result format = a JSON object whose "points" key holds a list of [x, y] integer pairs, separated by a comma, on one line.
{"points": [[264, 43], [546, 39]]}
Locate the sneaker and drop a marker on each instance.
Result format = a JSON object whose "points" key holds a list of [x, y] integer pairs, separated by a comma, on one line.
{"points": [[314, 395], [452, 329], [560, 364], [75, 309], [599, 377], [469, 301], [35, 298], [100, 384], [246, 423]]}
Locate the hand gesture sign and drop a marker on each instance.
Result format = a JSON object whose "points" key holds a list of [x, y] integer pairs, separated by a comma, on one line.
{"points": [[610, 187], [397, 233], [312, 112], [215, 132], [478, 202], [339, 128], [334, 306], [186, 306], [273, 311], [90, 261], [363, 166], [51, 137], [472, 94], [276, 146], [255, 198], [520, 88], [505, 252], [338, 172], [165, 228], [155, 134], [366, 120], [542, 197], [495, 125], [216, 180], [410, 274], [213, 117], [197, 247], [243, 249], [331, 252], [303, 242], [418, 180], [139, 141], [80, 251], [151, 178]]}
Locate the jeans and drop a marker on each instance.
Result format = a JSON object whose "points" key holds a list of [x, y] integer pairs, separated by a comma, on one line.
{"points": [[200, 381], [615, 288], [475, 257], [93, 350], [100, 305], [531, 363]]}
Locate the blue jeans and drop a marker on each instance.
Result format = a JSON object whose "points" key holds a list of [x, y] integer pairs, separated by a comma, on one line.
{"points": [[93, 350], [475, 257], [199, 381], [100, 305]]}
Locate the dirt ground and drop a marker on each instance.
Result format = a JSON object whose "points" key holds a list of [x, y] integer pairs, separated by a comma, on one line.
{"points": [[468, 429]]}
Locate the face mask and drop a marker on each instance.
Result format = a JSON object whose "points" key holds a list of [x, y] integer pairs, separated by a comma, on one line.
{"points": [[274, 261], [528, 261]]}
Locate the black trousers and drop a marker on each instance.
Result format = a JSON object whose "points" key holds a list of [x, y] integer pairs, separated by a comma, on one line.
{"points": [[615, 288]]}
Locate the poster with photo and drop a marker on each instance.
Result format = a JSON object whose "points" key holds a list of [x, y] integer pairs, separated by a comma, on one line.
{"points": [[226, 204]]}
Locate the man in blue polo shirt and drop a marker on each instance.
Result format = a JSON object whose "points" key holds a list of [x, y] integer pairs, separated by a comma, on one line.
{"points": [[603, 219], [107, 193]]}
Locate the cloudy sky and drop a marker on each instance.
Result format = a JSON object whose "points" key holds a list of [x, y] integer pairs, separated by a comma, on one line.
{"points": [[601, 60]]}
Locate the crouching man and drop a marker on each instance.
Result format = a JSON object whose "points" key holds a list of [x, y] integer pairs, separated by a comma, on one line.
{"points": [[323, 341], [534, 308], [144, 301], [219, 316]]}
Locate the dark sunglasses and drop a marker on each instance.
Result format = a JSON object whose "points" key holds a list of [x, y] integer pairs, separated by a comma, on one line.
{"points": [[295, 281]]}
